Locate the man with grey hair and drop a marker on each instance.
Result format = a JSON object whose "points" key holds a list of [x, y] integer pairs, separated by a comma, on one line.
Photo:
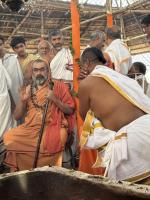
{"points": [[97, 39], [118, 50], [62, 63]]}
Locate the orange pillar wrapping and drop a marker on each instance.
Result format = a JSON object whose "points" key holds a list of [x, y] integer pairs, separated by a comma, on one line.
{"points": [[87, 157], [109, 13], [109, 20], [75, 18], [109, 25]]}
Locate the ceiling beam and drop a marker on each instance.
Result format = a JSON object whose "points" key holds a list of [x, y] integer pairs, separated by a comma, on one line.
{"points": [[138, 46], [141, 50], [19, 25], [122, 27], [135, 37], [64, 6], [137, 21], [120, 11], [31, 16], [147, 11]]}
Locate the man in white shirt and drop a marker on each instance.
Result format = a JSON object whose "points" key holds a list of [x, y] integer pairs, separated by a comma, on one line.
{"points": [[118, 51], [62, 63], [11, 64]]}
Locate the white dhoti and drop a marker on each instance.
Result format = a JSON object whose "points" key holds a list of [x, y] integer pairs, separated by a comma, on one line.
{"points": [[124, 154], [137, 162], [6, 120], [62, 65]]}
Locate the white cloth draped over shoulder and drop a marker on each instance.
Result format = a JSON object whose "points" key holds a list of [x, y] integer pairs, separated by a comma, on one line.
{"points": [[120, 56], [12, 66], [60, 63], [6, 120], [123, 153]]}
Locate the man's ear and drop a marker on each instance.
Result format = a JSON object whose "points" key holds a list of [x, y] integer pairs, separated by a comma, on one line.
{"points": [[88, 62]]}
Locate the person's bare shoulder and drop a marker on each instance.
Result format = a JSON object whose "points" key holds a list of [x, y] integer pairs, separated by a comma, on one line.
{"points": [[93, 84], [88, 80], [85, 83], [86, 87]]}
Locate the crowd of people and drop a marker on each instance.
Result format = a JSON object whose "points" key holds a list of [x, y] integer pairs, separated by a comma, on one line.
{"points": [[36, 99]]}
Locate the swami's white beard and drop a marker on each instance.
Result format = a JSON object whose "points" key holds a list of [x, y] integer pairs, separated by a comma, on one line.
{"points": [[39, 81]]}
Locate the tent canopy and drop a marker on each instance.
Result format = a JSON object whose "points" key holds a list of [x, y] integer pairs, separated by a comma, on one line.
{"points": [[38, 17]]}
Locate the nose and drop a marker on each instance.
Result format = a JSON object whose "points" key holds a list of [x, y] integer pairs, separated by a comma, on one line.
{"points": [[39, 72], [58, 40]]}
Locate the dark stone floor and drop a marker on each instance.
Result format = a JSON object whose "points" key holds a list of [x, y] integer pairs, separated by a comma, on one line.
{"points": [[62, 184]]}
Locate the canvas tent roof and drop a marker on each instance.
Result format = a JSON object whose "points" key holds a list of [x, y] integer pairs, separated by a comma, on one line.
{"points": [[38, 17]]}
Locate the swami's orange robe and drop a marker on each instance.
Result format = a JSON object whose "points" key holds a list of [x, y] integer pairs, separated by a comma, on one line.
{"points": [[21, 142]]}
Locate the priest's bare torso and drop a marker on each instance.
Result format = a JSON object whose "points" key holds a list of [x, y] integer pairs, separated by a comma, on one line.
{"points": [[108, 105]]}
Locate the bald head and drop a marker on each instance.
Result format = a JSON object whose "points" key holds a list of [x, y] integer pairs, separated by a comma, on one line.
{"points": [[92, 57], [44, 48]]}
